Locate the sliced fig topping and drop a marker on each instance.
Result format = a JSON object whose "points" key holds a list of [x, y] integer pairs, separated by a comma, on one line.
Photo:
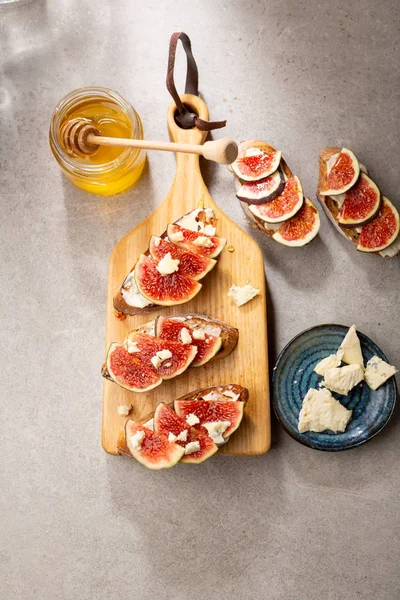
{"points": [[264, 190], [191, 265], [153, 450], [129, 370], [207, 345], [166, 290], [169, 358], [361, 203], [300, 229], [167, 422], [342, 175], [254, 164], [209, 411], [284, 206], [382, 231], [196, 242]]}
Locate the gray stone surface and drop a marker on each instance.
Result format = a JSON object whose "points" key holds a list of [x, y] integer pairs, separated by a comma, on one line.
{"points": [[294, 524]]}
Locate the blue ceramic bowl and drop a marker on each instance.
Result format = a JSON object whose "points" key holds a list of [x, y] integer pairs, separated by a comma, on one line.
{"points": [[294, 374]]}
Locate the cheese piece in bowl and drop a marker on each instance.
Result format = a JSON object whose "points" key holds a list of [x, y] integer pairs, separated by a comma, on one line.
{"points": [[377, 372], [342, 379], [321, 411]]}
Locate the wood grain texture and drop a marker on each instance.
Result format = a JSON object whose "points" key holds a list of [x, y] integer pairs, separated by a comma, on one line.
{"points": [[248, 363]]}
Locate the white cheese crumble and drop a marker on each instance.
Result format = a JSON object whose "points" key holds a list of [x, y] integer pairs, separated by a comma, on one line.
{"points": [[136, 440], [211, 396], [209, 230], [149, 424], [157, 241], [192, 447], [377, 372], [192, 419], [191, 221], [321, 411], [172, 437], [330, 362], [185, 336], [198, 334], [242, 294], [124, 409], [132, 347], [203, 241], [182, 436], [351, 347], [130, 293], [342, 379], [167, 265], [159, 357], [231, 395], [177, 236], [216, 429]]}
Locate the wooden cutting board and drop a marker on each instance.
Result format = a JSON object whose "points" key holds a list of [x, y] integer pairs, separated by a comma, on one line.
{"points": [[248, 363]]}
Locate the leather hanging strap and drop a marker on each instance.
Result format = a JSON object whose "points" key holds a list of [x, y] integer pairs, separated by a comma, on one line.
{"points": [[187, 119]]}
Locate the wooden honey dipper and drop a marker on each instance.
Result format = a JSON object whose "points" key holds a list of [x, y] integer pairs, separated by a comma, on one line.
{"points": [[81, 138]]}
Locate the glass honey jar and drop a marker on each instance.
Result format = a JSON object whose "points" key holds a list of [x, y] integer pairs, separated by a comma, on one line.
{"points": [[109, 170]]}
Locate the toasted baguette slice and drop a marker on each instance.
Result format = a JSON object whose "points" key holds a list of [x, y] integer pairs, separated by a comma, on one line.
{"points": [[202, 217], [332, 209], [229, 334], [236, 389]]}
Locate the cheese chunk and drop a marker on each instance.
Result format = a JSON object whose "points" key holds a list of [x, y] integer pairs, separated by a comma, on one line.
{"points": [[216, 429], [168, 265], [241, 295], [124, 409], [351, 347], [192, 447], [377, 372], [342, 379], [172, 437], [182, 436], [130, 293], [131, 347], [136, 440], [321, 411], [330, 362], [192, 419], [159, 357], [149, 424], [186, 338], [204, 241]]}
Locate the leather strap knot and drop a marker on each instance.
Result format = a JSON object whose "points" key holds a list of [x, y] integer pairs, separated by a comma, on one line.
{"points": [[187, 119]]}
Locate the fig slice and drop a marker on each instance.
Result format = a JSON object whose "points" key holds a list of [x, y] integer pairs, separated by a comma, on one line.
{"points": [[284, 206], [129, 371], [300, 229], [166, 422], [195, 241], [165, 290], [254, 164], [207, 347], [147, 346], [382, 231], [191, 265], [151, 449], [263, 190], [361, 203], [343, 174], [210, 411]]}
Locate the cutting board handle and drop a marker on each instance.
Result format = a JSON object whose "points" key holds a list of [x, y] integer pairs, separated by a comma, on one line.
{"points": [[187, 136]]}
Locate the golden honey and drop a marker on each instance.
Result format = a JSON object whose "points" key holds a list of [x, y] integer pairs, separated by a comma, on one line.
{"points": [[109, 170]]}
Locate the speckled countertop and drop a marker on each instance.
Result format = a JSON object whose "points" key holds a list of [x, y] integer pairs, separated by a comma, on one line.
{"points": [[294, 524]]}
